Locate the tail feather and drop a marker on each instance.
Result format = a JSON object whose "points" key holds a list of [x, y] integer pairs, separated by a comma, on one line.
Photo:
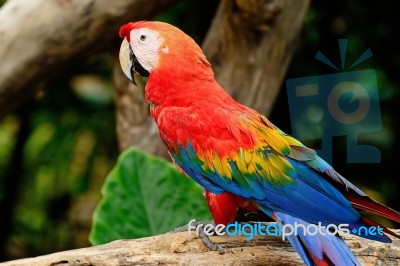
{"points": [[362, 229], [374, 223], [365, 203], [303, 252], [318, 249]]}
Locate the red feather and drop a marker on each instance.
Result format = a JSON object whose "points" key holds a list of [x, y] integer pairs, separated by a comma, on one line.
{"points": [[224, 206], [365, 203], [125, 30], [374, 223]]}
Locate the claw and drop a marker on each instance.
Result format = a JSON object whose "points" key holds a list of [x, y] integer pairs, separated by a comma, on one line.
{"points": [[205, 238], [207, 241]]}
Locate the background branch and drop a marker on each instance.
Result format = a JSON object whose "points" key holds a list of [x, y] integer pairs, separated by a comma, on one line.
{"points": [[40, 39], [250, 44]]}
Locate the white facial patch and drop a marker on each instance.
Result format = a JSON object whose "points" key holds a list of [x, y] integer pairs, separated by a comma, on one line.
{"points": [[146, 44]]}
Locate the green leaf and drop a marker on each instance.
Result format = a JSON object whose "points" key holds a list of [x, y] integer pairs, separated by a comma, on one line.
{"points": [[143, 196]]}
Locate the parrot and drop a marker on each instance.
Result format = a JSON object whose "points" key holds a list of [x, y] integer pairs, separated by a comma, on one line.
{"points": [[236, 154]]}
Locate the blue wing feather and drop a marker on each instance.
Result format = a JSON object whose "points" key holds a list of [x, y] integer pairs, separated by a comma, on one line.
{"points": [[310, 197]]}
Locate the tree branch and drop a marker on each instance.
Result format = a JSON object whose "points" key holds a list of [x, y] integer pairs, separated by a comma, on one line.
{"points": [[180, 249], [39, 39], [134, 124], [250, 45]]}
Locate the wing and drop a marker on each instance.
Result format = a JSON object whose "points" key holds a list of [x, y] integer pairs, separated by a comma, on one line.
{"points": [[277, 172]]}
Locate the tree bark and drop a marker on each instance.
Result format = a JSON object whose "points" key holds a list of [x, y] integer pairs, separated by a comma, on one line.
{"points": [[181, 249], [249, 44], [40, 39], [134, 125]]}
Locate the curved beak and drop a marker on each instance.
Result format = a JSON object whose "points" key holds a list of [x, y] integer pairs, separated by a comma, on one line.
{"points": [[124, 60], [129, 62]]}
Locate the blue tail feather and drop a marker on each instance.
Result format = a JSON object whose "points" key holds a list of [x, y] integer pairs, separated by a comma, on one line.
{"points": [[318, 249]]}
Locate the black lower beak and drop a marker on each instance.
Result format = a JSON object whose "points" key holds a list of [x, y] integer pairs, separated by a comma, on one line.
{"points": [[136, 67]]}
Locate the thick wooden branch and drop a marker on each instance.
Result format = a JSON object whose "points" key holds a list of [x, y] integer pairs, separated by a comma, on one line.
{"points": [[250, 44], [134, 124], [180, 249], [41, 38]]}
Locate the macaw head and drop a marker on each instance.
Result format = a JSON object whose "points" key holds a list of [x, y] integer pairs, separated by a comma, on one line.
{"points": [[149, 46]]}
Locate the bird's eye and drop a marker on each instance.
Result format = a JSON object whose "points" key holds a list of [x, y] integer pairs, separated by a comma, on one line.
{"points": [[142, 37]]}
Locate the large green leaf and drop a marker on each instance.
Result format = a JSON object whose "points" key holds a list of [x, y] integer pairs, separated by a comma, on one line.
{"points": [[143, 196]]}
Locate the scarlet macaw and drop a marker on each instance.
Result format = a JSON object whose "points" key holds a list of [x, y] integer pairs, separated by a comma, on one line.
{"points": [[237, 154]]}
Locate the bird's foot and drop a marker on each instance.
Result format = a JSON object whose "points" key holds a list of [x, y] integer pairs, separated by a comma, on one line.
{"points": [[199, 227], [207, 241]]}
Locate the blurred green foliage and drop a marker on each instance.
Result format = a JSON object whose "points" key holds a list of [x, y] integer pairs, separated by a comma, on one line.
{"points": [[144, 196], [69, 148], [56, 151]]}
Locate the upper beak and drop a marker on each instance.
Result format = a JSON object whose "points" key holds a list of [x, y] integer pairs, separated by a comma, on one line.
{"points": [[130, 64], [125, 61]]}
